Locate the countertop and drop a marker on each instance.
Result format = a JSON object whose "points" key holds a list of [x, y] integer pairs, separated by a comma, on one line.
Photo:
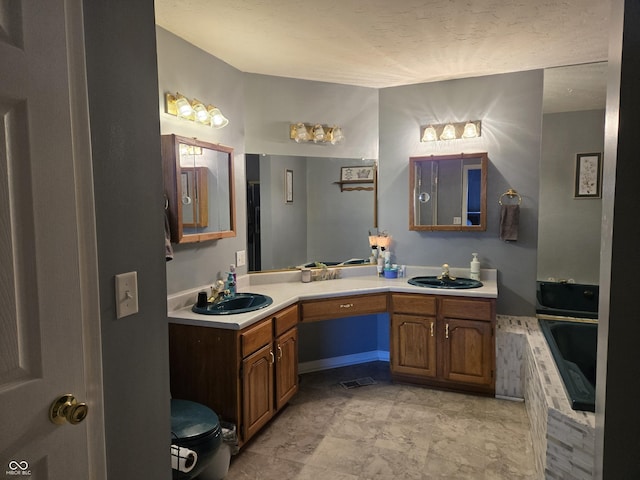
{"points": [[285, 288]]}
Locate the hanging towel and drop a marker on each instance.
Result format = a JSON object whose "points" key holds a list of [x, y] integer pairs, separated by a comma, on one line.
{"points": [[168, 249], [509, 220]]}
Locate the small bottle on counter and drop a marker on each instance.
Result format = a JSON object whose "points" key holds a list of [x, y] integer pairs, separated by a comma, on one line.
{"points": [[305, 275], [474, 271]]}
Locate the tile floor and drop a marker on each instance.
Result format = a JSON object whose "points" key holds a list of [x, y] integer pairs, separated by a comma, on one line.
{"points": [[388, 431]]}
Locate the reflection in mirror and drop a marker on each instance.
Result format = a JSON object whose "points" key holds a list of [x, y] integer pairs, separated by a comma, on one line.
{"points": [[448, 192], [194, 199], [326, 218], [199, 186], [569, 228]]}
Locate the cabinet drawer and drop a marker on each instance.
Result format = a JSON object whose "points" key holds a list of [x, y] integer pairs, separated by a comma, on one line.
{"points": [[315, 310], [467, 308], [416, 304], [285, 319], [255, 337]]}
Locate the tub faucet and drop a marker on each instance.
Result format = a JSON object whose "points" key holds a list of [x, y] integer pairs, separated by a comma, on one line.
{"points": [[445, 275]]}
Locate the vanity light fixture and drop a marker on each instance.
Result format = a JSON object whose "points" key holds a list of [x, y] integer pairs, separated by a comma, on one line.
{"points": [[195, 110], [316, 133], [451, 131]]}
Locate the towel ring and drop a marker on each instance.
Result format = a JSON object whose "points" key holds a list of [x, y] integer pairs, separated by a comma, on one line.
{"points": [[510, 193]]}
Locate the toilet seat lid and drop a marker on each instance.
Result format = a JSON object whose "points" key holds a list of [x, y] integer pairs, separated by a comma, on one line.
{"points": [[191, 420]]}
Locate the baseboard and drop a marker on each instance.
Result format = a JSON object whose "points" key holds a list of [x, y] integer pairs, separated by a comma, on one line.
{"points": [[343, 361]]}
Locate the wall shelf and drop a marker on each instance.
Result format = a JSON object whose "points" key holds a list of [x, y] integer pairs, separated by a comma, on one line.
{"points": [[344, 188]]}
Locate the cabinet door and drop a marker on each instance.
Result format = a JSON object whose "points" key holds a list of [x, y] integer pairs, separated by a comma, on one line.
{"points": [[286, 352], [257, 382], [468, 351], [413, 345]]}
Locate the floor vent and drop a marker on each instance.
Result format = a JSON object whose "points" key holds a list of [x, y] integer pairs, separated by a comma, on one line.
{"points": [[358, 382]]}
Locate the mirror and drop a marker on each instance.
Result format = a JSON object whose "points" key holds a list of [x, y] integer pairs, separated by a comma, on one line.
{"points": [[569, 228], [302, 210], [448, 192], [199, 188]]}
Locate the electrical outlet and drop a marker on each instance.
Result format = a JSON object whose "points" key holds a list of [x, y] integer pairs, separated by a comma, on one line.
{"points": [[457, 220], [126, 294], [241, 258]]}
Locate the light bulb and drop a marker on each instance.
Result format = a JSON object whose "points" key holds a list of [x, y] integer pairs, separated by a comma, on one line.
{"points": [[183, 107], [201, 113], [318, 133], [449, 132], [217, 119], [429, 134], [470, 130], [302, 135], [336, 135]]}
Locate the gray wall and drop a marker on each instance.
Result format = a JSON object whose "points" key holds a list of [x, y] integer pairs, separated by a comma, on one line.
{"points": [[273, 103], [569, 228], [510, 107], [121, 70], [192, 72]]}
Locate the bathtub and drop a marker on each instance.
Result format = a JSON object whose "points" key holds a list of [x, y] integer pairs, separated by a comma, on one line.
{"points": [[575, 300], [573, 345], [567, 313]]}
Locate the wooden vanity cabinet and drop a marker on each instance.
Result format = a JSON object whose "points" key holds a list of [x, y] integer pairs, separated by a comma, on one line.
{"points": [[443, 341], [245, 376], [413, 335]]}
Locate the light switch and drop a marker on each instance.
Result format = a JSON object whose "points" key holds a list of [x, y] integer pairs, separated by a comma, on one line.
{"points": [[126, 294], [241, 258]]}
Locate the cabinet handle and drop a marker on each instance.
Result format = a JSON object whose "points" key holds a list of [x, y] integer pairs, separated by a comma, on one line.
{"points": [[431, 329], [273, 359], [446, 331], [279, 353], [346, 305]]}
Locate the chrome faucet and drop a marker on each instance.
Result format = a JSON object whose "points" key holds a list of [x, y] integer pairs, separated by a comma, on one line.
{"points": [[218, 292], [445, 275]]}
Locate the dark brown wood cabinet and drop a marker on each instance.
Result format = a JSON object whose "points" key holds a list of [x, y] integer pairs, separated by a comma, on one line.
{"points": [[245, 376], [443, 341], [337, 307]]}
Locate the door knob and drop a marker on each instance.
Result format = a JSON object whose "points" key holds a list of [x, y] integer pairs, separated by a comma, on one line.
{"points": [[67, 409]]}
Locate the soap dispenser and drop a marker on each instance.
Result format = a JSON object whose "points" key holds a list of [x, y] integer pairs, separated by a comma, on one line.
{"points": [[474, 272], [231, 284]]}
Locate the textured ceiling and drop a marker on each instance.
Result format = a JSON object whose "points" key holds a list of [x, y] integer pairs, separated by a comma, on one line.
{"points": [[382, 43]]}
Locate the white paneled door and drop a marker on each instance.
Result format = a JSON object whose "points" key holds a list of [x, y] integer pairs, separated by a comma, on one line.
{"points": [[49, 315]]}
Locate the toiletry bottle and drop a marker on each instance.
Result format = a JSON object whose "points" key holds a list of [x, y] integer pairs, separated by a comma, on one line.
{"points": [[232, 269], [475, 268], [231, 284], [380, 265]]}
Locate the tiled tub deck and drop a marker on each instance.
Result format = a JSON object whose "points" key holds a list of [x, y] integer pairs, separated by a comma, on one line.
{"points": [[563, 439]]}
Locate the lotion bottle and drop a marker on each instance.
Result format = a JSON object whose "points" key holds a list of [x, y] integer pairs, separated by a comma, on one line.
{"points": [[474, 272]]}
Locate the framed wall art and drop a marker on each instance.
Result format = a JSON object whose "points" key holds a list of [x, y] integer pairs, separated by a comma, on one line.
{"points": [[363, 174], [588, 181], [288, 186]]}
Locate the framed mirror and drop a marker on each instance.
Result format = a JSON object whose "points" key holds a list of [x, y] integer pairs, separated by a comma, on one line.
{"points": [[448, 192], [325, 217], [199, 187]]}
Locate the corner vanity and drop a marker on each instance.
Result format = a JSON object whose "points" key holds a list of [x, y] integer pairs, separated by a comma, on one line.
{"points": [[245, 366]]}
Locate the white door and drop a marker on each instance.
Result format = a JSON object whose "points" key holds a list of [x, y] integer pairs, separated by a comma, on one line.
{"points": [[49, 323]]}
